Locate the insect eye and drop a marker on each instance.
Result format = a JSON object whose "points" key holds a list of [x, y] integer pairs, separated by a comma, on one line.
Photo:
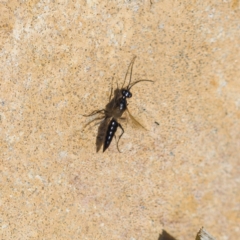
{"points": [[123, 92], [129, 95]]}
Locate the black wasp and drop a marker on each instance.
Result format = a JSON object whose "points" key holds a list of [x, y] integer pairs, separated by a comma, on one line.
{"points": [[113, 112]]}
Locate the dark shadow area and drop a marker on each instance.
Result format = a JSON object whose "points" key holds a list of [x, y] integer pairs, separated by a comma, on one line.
{"points": [[165, 236]]}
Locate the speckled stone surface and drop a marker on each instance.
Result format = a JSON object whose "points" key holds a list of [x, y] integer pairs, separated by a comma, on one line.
{"points": [[57, 59]]}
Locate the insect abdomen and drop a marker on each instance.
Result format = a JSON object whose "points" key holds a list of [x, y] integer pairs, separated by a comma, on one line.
{"points": [[112, 128]]}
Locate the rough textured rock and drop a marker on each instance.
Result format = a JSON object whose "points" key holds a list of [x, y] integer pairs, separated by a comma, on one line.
{"points": [[57, 61]]}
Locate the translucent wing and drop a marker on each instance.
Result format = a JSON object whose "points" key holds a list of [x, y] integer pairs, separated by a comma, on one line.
{"points": [[134, 121]]}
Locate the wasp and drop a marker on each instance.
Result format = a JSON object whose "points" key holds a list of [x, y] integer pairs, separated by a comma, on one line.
{"points": [[114, 110]]}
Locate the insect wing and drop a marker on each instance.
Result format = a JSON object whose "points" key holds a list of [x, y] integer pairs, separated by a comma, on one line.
{"points": [[102, 131], [134, 121]]}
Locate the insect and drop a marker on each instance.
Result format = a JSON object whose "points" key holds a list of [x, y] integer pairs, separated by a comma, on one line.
{"points": [[113, 112]]}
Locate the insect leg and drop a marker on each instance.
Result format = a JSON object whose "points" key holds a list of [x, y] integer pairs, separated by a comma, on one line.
{"points": [[120, 135], [95, 112], [95, 119]]}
